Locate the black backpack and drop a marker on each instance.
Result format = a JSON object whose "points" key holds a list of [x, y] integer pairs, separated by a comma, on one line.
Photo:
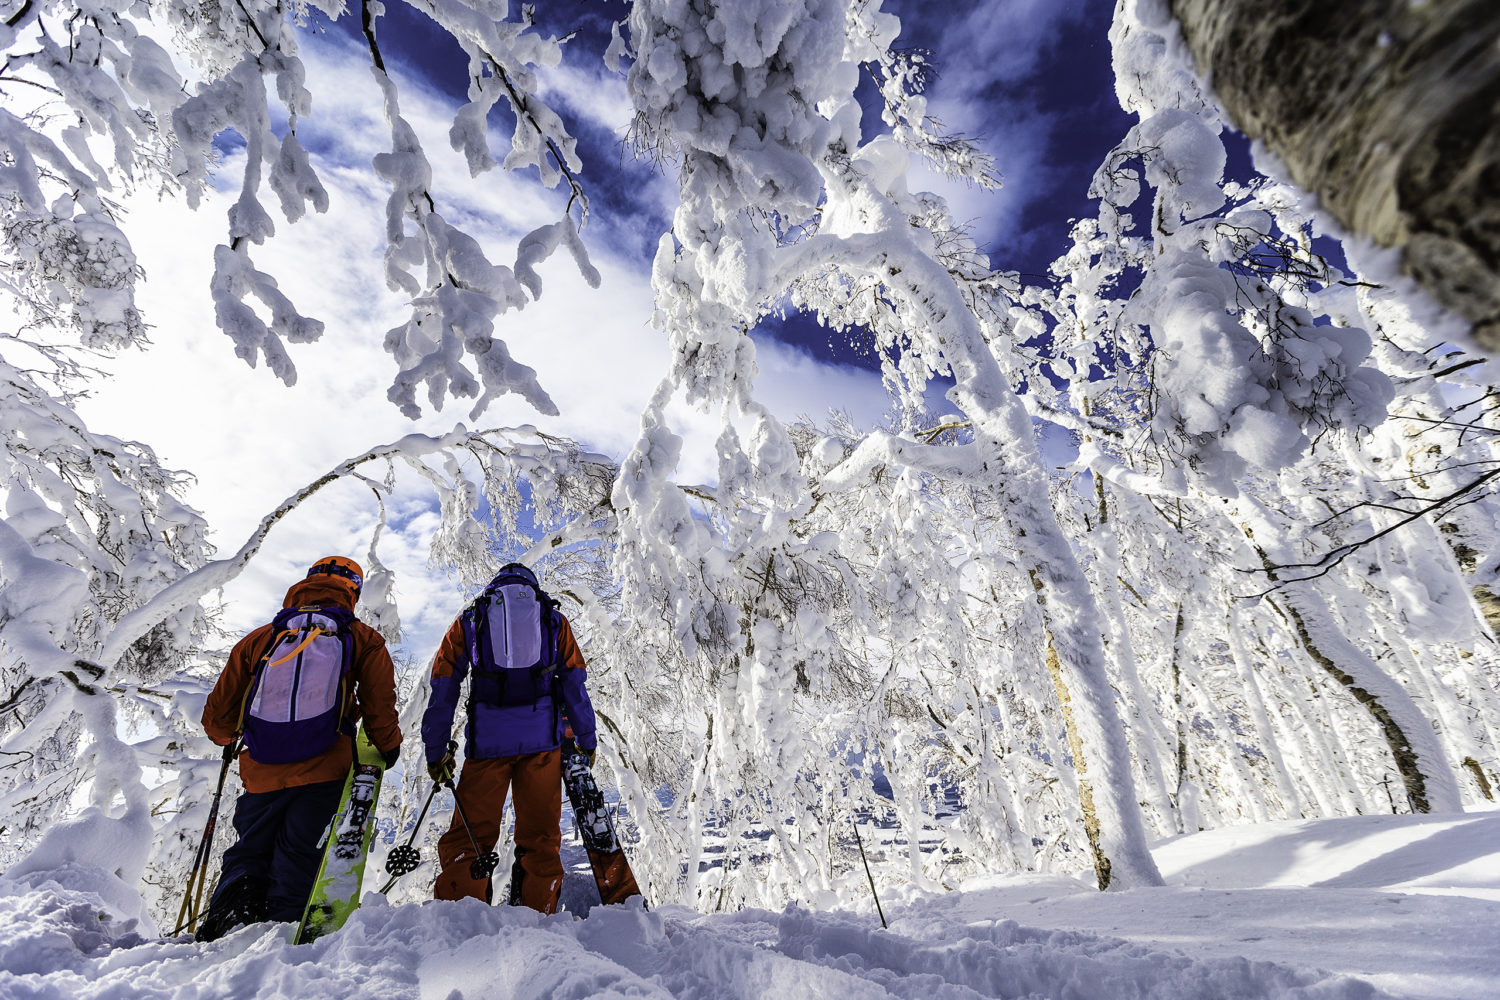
{"points": [[510, 631]]}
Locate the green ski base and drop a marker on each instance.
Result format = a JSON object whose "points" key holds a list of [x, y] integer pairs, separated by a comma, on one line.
{"points": [[335, 893]]}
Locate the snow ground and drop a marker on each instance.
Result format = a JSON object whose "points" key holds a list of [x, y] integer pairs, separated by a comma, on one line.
{"points": [[1343, 909]]}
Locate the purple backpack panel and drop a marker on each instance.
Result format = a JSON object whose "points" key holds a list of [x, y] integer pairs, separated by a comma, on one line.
{"points": [[514, 623], [295, 706], [511, 634]]}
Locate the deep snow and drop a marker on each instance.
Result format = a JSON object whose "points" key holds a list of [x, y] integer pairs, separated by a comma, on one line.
{"points": [[1340, 909]]}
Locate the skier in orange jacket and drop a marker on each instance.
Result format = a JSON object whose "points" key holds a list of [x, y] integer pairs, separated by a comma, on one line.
{"points": [[290, 798]]}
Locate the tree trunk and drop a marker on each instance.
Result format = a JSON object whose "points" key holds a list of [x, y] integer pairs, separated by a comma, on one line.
{"points": [[1478, 772], [1103, 867], [1489, 606], [1388, 111], [1182, 747], [1428, 780], [1395, 737], [1141, 722]]}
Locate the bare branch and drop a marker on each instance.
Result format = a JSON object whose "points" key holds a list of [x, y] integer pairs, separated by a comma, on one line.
{"points": [[1338, 554]]}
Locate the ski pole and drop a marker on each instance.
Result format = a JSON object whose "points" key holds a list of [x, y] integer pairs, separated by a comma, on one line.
{"points": [[866, 860], [405, 858], [484, 864], [192, 899]]}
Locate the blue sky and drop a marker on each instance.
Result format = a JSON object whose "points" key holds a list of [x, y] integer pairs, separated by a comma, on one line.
{"points": [[1030, 78]]}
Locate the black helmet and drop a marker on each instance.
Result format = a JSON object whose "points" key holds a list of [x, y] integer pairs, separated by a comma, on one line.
{"points": [[518, 569]]}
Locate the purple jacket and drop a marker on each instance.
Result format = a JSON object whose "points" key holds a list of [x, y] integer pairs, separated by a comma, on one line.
{"points": [[493, 731]]}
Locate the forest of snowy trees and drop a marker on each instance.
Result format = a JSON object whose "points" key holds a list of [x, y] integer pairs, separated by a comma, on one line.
{"points": [[1261, 582]]}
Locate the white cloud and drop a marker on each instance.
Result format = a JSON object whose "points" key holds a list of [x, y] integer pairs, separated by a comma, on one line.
{"points": [[986, 61], [586, 85], [995, 216], [1000, 41], [251, 442]]}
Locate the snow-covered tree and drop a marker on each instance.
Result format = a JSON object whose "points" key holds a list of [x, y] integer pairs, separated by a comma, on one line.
{"points": [[119, 96], [1261, 585]]}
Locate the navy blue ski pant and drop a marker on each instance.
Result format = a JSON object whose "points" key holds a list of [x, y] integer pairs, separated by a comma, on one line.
{"points": [[279, 834]]}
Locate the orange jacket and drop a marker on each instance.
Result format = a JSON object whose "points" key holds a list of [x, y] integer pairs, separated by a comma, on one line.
{"points": [[373, 694]]}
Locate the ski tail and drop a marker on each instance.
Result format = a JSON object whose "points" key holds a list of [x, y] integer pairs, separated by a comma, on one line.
{"points": [[612, 874], [336, 890]]}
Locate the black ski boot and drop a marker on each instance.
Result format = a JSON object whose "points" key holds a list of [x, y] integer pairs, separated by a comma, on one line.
{"points": [[241, 902]]}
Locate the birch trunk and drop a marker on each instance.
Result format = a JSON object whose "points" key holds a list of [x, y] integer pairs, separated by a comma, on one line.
{"points": [[1429, 781], [1384, 109]]}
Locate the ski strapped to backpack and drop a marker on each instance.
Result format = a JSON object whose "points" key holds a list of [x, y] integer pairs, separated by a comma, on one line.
{"points": [[296, 704], [510, 633]]}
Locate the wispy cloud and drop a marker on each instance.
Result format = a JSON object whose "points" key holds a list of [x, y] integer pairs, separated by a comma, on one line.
{"points": [[1000, 77], [251, 441], [1000, 44]]}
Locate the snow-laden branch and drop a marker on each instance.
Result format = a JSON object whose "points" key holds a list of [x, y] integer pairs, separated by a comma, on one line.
{"points": [[881, 448], [193, 587], [1339, 553], [137, 115]]}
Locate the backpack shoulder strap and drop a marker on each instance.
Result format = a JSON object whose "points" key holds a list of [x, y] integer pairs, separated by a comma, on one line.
{"points": [[470, 619], [551, 628], [345, 619], [257, 667]]}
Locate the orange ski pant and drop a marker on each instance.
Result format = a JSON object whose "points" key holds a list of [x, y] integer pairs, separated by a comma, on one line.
{"points": [[536, 779]]}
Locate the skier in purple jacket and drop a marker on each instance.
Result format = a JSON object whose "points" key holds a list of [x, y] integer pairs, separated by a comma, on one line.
{"points": [[526, 683]]}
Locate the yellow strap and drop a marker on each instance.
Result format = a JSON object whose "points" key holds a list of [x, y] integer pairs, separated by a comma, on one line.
{"points": [[312, 634], [260, 667]]}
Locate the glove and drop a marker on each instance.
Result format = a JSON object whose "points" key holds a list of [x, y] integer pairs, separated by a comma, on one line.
{"points": [[389, 757], [588, 758], [441, 770]]}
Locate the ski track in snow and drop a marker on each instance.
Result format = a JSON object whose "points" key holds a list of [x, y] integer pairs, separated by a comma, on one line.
{"points": [[1251, 912]]}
